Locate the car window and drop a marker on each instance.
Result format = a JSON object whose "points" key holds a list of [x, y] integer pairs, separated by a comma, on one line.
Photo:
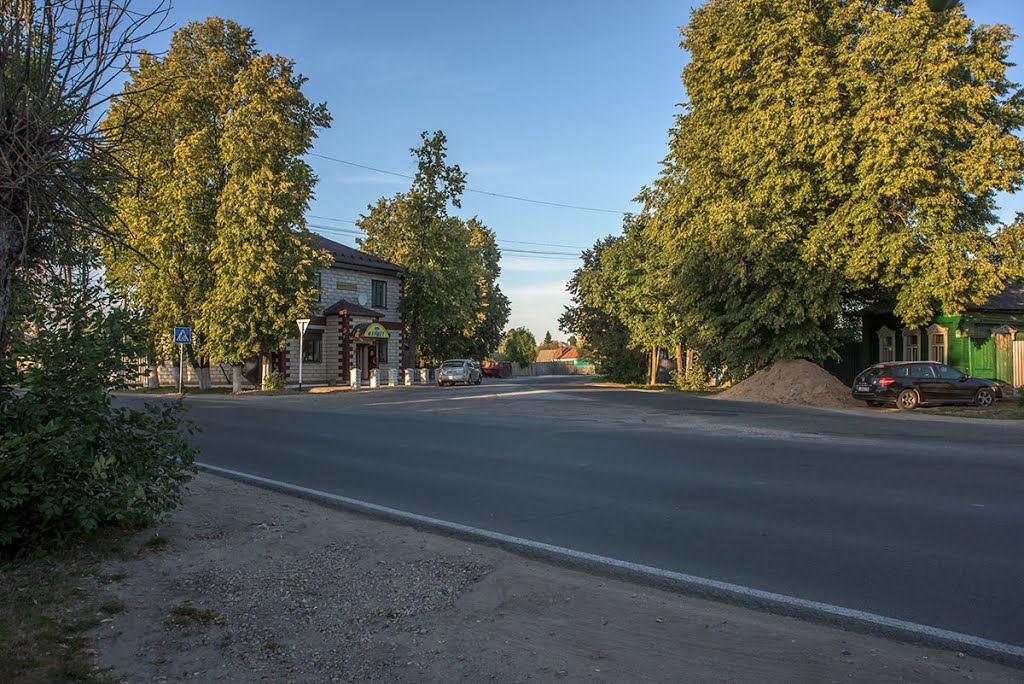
{"points": [[901, 371], [949, 373], [923, 370], [451, 364]]}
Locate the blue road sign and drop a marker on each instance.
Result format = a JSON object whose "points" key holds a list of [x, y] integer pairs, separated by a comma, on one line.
{"points": [[183, 335]]}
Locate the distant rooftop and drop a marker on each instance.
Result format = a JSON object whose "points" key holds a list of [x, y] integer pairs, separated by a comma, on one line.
{"points": [[345, 256], [1010, 299]]}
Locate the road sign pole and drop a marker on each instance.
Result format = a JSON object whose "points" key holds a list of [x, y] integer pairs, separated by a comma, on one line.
{"points": [[302, 323], [181, 371]]}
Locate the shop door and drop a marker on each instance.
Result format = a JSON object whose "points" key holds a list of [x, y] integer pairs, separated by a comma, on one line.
{"points": [[371, 356]]}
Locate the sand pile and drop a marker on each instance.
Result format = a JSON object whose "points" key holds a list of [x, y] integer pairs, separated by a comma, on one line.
{"points": [[793, 382]]}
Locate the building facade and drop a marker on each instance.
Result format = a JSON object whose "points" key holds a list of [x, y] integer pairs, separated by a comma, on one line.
{"points": [[985, 341], [359, 324]]}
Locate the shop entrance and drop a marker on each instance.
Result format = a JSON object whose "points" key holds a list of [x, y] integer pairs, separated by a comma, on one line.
{"points": [[366, 359]]}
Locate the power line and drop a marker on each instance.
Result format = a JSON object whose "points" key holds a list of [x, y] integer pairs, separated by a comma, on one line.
{"points": [[538, 254], [516, 242], [474, 190]]}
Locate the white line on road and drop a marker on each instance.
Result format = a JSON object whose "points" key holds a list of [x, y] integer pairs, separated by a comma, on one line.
{"points": [[912, 628]]}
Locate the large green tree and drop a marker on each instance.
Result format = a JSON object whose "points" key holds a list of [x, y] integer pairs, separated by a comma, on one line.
{"points": [[828, 149], [451, 301], [519, 346], [214, 194]]}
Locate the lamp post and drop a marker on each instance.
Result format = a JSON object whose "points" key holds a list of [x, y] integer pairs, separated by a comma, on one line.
{"points": [[302, 323]]}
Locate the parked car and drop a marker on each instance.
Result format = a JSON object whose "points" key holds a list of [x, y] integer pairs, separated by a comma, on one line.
{"points": [[909, 384], [459, 370]]}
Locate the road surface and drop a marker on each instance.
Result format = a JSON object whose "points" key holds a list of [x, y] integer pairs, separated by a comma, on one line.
{"points": [[912, 517]]}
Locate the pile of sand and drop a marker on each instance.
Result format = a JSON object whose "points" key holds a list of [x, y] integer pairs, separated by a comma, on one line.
{"points": [[793, 382]]}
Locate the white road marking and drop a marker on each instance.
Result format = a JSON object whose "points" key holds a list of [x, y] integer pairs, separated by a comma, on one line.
{"points": [[693, 581]]}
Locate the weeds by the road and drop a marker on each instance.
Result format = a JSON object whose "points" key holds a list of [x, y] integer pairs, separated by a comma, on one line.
{"points": [[1008, 409], [46, 609]]}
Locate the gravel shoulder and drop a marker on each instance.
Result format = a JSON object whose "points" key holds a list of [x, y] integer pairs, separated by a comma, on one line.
{"points": [[250, 584]]}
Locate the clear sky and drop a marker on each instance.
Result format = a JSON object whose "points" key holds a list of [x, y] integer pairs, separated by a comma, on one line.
{"points": [[566, 102]]}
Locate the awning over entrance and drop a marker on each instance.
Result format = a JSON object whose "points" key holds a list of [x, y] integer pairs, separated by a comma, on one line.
{"points": [[371, 331]]}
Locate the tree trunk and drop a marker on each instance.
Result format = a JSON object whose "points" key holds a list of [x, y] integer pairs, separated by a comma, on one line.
{"points": [[680, 371], [153, 381], [654, 366], [236, 378], [10, 255], [690, 359], [203, 374]]}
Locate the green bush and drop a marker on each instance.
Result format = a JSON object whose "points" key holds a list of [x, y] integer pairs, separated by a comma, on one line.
{"points": [[274, 381], [694, 380], [70, 460]]}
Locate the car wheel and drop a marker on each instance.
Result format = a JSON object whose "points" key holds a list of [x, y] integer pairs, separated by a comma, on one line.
{"points": [[479, 379], [907, 400], [984, 397]]}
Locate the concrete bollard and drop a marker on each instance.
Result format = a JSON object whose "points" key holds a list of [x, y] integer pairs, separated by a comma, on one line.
{"points": [[393, 377], [424, 376], [356, 378], [375, 377], [408, 376]]}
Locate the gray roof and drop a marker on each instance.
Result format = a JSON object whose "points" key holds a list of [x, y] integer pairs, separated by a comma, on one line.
{"points": [[1010, 299], [347, 257]]}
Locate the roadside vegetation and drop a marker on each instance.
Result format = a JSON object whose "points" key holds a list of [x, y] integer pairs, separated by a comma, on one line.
{"points": [[830, 156]]}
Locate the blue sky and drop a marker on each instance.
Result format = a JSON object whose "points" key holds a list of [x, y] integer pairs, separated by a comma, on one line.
{"points": [[567, 102]]}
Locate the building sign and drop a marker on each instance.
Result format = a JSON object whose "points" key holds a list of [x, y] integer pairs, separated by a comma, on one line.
{"points": [[376, 330]]}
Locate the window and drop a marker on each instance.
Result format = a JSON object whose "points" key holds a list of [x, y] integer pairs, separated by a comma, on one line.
{"points": [[886, 345], [938, 343], [911, 345], [380, 294], [949, 373], [318, 283], [312, 349], [382, 351], [923, 370]]}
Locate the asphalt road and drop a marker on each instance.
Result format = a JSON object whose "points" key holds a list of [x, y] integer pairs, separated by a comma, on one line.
{"points": [[916, 518]]}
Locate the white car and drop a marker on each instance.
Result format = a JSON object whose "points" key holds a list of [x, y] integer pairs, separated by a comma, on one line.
{"points": [[459, 370]]}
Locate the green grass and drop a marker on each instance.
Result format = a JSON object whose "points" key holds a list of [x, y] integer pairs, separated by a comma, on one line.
{"points": [[1003, 410], [155, 542], [46, 613]]}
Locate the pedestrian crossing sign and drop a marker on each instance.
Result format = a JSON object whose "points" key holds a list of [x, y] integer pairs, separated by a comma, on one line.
{"points": [[183, 335]]}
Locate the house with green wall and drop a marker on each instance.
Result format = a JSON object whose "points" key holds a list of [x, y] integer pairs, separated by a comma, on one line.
{"points": [[986, 340]]}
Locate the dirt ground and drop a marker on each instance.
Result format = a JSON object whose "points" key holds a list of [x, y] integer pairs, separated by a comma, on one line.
{"points": [[244, 584], [793, 382]]}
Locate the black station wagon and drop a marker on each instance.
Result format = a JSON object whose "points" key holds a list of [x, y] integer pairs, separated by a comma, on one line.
{"points": [[909, 384]]}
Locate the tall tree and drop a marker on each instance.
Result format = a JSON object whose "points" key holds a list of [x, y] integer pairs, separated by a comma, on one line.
{"points": [[216, 193], [832, 147], [57, 59], [451, 301]]}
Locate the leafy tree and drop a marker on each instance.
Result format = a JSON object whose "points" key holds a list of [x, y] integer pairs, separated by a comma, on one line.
{"points": [[519, 346], [216, 193], [451, 302], [596, 316], [827, 149], [548, 343]]}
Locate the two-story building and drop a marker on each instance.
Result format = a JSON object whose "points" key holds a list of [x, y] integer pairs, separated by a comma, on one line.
{"points": [[358, 326]]}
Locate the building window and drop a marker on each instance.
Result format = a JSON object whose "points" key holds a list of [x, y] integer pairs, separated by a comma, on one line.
{"points": [[382, 351], [911, 345], [380, 294], [313, 349], [886, 345], [318, 283], [938, 343]]}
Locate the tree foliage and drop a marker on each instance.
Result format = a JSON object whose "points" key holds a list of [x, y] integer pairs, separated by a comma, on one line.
{"points": [[596, 314], [451, 301], [828, 149], [57, 59], [215, 192], [519, 346]]}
